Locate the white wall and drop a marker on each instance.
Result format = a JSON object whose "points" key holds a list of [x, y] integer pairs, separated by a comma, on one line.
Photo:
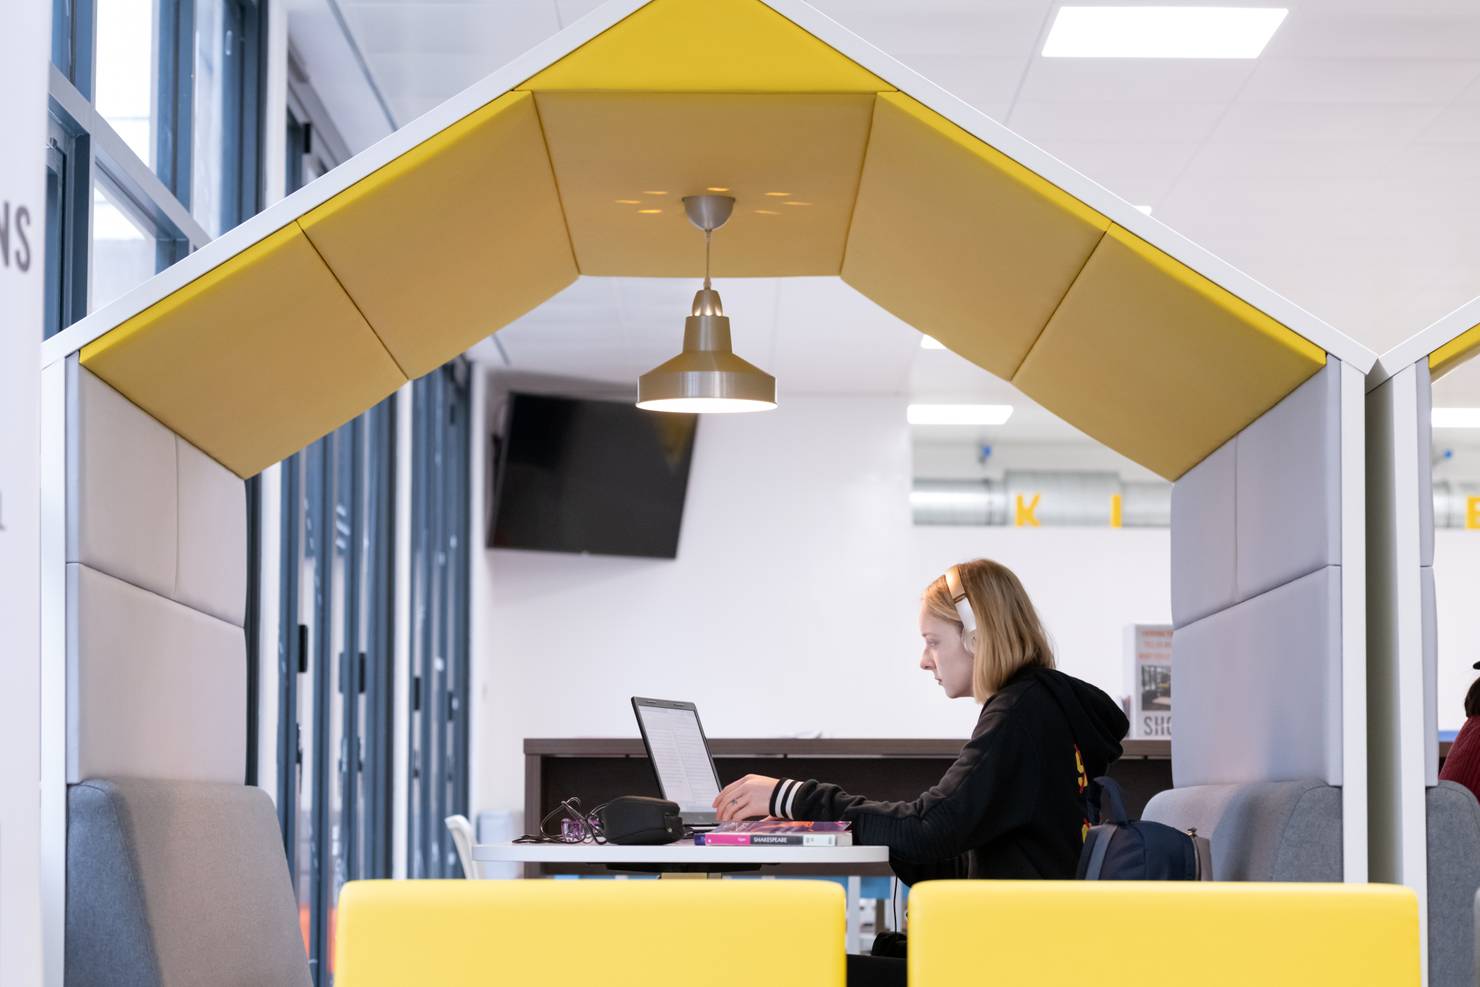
{"points": [[24, 43], [1456, 577], [791, 609]]}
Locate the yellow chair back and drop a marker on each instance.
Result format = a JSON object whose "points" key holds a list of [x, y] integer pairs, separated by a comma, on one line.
{"points": [[1162, 934], [615, 933]]}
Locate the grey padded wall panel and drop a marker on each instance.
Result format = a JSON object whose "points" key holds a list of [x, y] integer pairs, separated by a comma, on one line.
{"points": [[1430, 674], [1258, 688], [1203, 516], [1289, 487], [212, 572], [154, 689], [121, 490]]}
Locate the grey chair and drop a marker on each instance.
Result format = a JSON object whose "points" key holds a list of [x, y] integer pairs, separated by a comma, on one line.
{"points": [[1454, 877], [173, 883], [1261, 831]]}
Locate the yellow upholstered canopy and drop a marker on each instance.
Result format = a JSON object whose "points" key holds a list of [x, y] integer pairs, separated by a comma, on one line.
{"points": [[580, 170], [705, 46], [459, 236], [625, 160], [1156, 361], [959, 240], [1453, 353], [253, 360]]}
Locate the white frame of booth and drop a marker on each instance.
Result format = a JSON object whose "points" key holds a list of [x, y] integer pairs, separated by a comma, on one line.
{"points": [[1404, 723], [1356, 361]]}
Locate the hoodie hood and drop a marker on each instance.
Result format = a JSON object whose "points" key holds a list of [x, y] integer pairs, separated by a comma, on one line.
{"points": [[1097, 721]]}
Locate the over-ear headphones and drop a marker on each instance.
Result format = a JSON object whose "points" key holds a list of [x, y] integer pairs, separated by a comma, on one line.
{"points": [[963, 607]]}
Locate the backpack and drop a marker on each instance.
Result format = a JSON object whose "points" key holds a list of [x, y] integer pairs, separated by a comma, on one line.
{"points": [[1120, 849]]}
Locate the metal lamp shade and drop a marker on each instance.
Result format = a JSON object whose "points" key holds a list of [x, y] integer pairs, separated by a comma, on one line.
{"points": [[707, 377]]}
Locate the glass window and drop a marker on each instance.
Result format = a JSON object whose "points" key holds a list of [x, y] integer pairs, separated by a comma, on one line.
{"points": [[125, 251], [128, 63], [217, 111], [56, 166]]}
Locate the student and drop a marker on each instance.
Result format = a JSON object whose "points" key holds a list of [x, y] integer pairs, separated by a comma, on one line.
{"points": [[1013, 803], [1463, 763]]}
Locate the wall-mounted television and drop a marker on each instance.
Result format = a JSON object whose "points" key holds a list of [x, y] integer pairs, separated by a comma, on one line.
{"points": [[579, 475]]}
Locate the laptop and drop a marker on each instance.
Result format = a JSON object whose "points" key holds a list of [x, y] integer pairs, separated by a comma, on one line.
{"points": [[680, 756]]}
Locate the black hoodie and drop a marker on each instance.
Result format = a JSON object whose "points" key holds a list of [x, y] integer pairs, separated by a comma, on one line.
{"points": [[1013, 803]]}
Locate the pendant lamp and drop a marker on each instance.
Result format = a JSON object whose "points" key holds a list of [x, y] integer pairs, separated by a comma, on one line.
{"points": [[707, 377]]}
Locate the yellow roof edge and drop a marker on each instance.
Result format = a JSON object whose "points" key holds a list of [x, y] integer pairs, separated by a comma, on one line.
{"points": [[1455, 352], [136, 323], [1011, 166], [1257, 318]]}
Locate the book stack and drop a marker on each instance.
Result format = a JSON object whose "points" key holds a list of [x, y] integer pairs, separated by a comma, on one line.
{"points": [[777, 832]]}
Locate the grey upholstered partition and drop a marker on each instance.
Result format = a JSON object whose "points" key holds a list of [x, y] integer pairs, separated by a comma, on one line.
{"points": [[178, 883], [175, 869], [1257, 644], [156, 598], [1256, 599]]}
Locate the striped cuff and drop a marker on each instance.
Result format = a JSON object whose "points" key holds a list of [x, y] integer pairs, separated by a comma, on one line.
{"points": [[782, 797]]}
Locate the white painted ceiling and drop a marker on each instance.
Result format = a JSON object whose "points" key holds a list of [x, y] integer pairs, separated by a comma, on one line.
{"points": [[1340, 168]]}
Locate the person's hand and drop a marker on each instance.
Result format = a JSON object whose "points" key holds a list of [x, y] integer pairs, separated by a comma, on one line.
{"points": [[748, 798]]}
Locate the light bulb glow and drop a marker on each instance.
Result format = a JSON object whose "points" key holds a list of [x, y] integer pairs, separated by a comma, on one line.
{"points": [[706, 406]]}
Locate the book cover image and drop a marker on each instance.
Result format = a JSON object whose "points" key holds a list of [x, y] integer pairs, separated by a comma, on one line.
{"points": [[778, 832]]}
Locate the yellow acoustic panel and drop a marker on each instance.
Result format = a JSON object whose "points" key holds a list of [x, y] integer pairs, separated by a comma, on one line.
{"points": [[624, 161], [615, 933], [739, 46], [1453, 353], [1156, 361], [1163, 934], [454, 239], [959, 240], [252, 360]]}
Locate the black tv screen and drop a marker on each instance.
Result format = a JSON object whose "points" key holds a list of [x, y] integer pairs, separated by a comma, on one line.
{"points": [[591, 476]]}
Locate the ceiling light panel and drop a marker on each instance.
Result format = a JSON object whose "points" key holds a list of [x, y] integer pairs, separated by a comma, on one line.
{"points": [[1162, 32], [1456, 417]]}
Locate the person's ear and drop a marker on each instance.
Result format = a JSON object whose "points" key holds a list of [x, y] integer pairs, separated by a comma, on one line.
{"points": [[968, 641]]}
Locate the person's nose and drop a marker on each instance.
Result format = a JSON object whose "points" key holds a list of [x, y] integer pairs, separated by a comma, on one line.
{"points": [[926, 662]]}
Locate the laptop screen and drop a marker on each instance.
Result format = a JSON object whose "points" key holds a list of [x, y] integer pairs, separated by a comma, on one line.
{"points": [[680, 755]]}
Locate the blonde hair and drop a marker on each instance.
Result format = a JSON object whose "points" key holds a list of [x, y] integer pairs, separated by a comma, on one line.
{"points": [[1009, 635]]}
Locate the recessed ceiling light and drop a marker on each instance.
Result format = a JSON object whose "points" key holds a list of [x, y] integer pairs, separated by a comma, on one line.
{"points": [[794, 202], [958, 414], [1456, 418], [1144, 209], [628, 202], [658, 192], [648, 212], [717, 188], [931, 343], [778, 195], [1162, 32], [767, 212]]}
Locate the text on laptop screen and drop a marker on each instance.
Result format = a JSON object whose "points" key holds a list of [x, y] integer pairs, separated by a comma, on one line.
{"points": [[680, 757]]}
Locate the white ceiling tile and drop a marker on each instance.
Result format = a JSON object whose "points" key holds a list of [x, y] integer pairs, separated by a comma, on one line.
{"points": [[570, 11], [989, 84], [1358, 80], [1350, 32], [960, 27], [1457, 123], [1101, 80], [1296, 159], [496, 32], [1324, 121], [1165, 122]]}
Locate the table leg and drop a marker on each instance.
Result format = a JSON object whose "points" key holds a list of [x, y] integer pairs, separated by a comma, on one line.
{"points": [[854, 898]]}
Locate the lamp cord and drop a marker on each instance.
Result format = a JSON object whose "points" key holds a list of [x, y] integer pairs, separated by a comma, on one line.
{"points": [[707, 234]]}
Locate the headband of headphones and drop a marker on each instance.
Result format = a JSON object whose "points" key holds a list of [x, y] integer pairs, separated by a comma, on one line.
{"points": [[958, 597]]}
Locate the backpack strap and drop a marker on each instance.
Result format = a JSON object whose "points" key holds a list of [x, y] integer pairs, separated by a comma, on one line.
{"points": [[1108, 790], [1096, 866]]}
